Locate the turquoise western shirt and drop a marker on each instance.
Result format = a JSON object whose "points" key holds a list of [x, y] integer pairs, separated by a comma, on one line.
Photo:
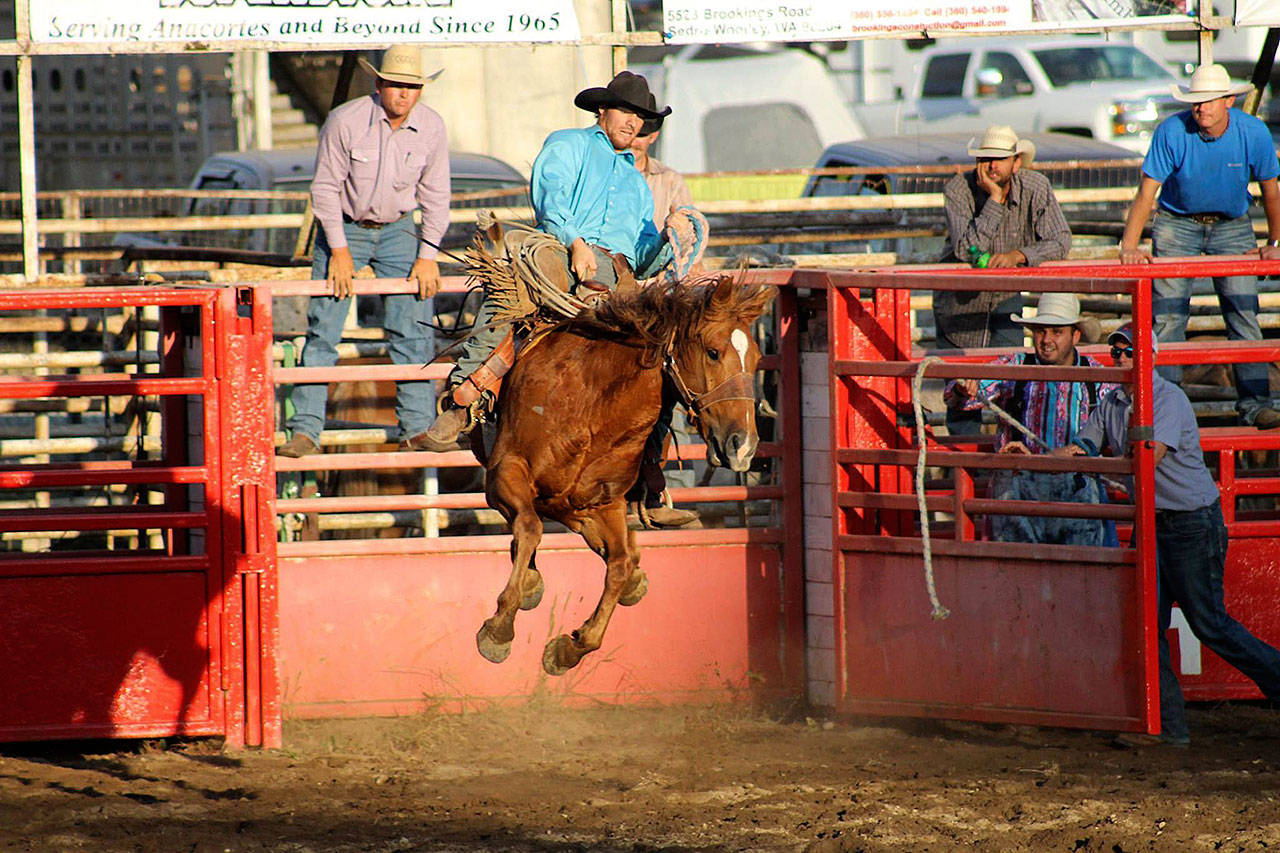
{"points": [[582, 187]]}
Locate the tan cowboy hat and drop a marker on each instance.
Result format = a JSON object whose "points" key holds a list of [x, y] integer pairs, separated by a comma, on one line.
{"points": [[1000, 141], [1054, 309], [625, 90], [401, 63], [1209, 82]]}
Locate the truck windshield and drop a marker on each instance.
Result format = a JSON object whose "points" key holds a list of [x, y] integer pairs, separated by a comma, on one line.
{"points": [[1067, 65]]}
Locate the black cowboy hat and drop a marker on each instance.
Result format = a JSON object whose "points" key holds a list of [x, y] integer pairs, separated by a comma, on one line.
{"points": [[652, 125], [627, 90]]}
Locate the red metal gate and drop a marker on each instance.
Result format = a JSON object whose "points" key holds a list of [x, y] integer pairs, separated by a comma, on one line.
{"points": [[153, 612], [1037, 633]]}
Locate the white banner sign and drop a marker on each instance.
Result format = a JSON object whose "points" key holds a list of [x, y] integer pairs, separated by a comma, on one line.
{"points": [[690, 21], [1261, 13], [303, 21], [687, 21]]}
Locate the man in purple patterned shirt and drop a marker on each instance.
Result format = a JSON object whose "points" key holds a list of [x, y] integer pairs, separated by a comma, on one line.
{"points": [[1054, 412]]}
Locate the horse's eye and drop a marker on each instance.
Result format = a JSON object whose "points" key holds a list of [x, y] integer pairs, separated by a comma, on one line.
{"points": [[713, 353]]}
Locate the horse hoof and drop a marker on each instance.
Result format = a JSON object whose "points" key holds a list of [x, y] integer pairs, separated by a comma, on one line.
{"points": [[534, 598], [491, 650], [635, 591], [551, 658]]}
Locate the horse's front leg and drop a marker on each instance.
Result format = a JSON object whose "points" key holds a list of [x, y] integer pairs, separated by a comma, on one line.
{"points": [[605, 530], [513, 497]]}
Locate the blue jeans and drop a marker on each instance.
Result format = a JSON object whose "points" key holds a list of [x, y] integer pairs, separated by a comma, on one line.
{"points": [[485, 337], [1174, 236], [1191, 551], [391, 251], [1049, 486]]}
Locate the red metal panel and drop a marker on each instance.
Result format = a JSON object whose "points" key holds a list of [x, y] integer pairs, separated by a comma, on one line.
{"points": [[245, 428], [106, 655], [1024, 643], [1250, 583], [396, 635]]}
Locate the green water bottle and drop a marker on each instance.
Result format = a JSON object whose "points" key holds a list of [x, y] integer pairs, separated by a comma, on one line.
{"points": [[979, 258]]}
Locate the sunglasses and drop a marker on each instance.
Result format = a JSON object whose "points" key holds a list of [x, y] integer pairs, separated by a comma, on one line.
{"points": [[1127, 352]]}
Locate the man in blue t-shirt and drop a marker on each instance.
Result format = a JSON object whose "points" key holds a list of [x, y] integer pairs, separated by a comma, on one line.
{"points": [[1201, 161]]}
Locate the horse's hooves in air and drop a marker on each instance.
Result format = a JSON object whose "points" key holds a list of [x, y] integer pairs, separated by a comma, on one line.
{"points": [[636, 588], [489, 648], [551, 655], [533, 597]]}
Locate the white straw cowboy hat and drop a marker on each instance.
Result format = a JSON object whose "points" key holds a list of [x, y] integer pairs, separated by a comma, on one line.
{"points": [[1001, 141], [401, 64], [1054, 309], [1208, 83]]}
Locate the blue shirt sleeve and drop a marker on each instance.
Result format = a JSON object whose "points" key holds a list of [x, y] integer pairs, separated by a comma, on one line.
{"points": [[555, 172], [1263, 163]]}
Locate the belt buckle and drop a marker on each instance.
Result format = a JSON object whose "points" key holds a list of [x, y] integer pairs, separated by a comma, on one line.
{"points": [[369, 224]]}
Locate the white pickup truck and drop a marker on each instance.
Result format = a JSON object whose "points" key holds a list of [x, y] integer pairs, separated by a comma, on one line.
{"points": [[1088, 86]]}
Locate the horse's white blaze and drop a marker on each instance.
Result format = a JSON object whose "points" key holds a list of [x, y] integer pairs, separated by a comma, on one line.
{"points": [[740, 343]]}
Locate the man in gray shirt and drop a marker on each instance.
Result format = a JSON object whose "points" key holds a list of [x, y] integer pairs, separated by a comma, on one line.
{"points": [[1191, 538], [378, 158], [1006, 214]]}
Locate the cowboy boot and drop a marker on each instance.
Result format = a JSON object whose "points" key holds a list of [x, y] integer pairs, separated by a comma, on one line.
{"points": [[665, 515], [442, 435]]}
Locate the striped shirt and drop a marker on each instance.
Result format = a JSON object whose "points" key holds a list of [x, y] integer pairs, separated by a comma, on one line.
{"points": [[1055, 411], [1029, 220], [367, 171]]}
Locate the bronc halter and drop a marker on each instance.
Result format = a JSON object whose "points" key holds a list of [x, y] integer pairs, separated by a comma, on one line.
{"points": [[739, 386]]}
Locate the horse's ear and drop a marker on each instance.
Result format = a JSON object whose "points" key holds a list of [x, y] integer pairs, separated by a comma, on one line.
{"points": [[756, 302], [723, 294]]}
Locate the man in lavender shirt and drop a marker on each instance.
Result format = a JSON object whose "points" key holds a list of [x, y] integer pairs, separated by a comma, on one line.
{"points": [[378, 158]]}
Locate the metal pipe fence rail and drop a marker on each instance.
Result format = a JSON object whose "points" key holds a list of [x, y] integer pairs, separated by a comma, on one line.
{"points": [[82, 226]]}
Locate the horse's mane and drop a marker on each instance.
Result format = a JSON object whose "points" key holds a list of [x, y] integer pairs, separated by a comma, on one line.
{"points": [[652, 316]]}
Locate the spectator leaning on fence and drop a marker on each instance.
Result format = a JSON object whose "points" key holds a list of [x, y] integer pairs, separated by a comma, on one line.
{"points": [[1201, 161], [1191, 539], [1054, 411], [1000, 214], [378, 158]]}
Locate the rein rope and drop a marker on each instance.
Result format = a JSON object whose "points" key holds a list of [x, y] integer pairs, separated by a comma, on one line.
{"points": [[684, 254], [939, 612]]}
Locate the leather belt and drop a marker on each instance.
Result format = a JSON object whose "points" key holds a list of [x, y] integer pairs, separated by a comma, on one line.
{"points": [[368, 223], [1203, 218]]}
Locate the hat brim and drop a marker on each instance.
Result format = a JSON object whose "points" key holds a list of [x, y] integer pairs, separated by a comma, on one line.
{"points": [[1024, 148], [1189, 97], [412, 79], [1045, 320], [598, 96]]}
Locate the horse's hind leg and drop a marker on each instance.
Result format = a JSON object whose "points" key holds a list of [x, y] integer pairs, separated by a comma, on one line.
{"points": [[524, 586], [609, 530], [637, 583]]}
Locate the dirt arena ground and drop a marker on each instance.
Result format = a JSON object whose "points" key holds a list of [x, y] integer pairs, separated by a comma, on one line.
{"points": [[617, 779]]}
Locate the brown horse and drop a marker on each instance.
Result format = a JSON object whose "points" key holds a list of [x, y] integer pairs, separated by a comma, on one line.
{"points": [[573, 416]]}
